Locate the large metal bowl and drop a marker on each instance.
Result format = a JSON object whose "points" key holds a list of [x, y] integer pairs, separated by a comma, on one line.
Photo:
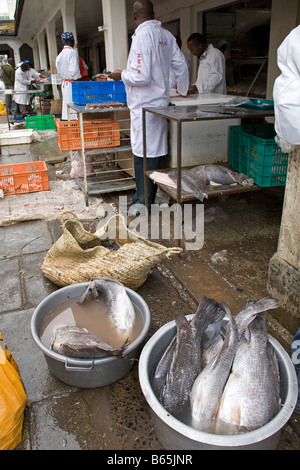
{"points": [[86, 373], [175, 435]]}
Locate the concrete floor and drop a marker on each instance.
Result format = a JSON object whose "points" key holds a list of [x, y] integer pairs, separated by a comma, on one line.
{"points": [[117, 417]]}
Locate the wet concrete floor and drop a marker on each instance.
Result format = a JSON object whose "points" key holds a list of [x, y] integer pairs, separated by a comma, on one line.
{"points": [[232, 266]]}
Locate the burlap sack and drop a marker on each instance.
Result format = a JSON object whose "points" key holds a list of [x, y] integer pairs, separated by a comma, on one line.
{"points": [[78, 255]]}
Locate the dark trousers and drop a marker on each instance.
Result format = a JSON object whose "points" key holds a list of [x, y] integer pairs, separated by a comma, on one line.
{"points": [[152, 164]]}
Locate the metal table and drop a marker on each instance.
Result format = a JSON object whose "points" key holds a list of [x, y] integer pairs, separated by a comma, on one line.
{"points": [[114, 180], [27, 92], [180, 114]]}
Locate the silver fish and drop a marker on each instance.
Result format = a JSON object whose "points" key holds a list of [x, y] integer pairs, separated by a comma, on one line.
{"points": [[196, 179], [208, 386], [73, 341], [251, 397], [181, 364], [243, 319], [119, 306]]}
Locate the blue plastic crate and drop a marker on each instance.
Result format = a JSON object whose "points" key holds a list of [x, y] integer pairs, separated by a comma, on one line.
{"points": [[84, 92], [254, 152]]}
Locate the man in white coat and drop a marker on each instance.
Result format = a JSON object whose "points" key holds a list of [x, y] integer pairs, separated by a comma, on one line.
{"points": [[24, 77], [153, 54], [286, 91], [67, 65], [212, 66]]}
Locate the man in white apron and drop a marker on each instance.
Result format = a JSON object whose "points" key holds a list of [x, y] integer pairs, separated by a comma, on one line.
{"points": [[24, 77], [67, 65], [153, 54], [212, 66]]}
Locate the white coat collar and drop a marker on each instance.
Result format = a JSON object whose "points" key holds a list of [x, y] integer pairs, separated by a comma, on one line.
{"points": [[146, 24]]}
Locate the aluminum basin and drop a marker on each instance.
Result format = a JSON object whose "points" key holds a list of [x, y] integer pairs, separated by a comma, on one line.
{"points": [[175, 435], [86, 373]]}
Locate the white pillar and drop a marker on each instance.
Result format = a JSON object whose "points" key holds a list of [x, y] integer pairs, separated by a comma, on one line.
{"points": [[115, 34], [42, 51], [68, 17], [36, 56], [52, 45]]}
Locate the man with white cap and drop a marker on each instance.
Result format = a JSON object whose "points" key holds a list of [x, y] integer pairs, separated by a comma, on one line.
{"points": [[24, 77], [67, 65]]}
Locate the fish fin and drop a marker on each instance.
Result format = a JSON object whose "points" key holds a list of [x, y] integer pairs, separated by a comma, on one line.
{"points": [[84, 295], [235, 415]]}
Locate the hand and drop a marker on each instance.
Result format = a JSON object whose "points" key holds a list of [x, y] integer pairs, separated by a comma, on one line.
{"points": [[116, 75]]}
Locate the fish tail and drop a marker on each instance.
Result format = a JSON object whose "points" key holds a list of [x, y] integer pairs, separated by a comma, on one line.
{"points": [[209, 311]]}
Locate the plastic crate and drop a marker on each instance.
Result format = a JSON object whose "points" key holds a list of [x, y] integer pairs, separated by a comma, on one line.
{"points": [[16, 137], [98, 92], [24, 178], [98, 133], [41, 123], [254, 152]]}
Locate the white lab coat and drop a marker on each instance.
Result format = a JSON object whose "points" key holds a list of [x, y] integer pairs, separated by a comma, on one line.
{"points": [[286, 91], [154, 52], [67, 66], [211, 76], [173, 81], [22, 82]]}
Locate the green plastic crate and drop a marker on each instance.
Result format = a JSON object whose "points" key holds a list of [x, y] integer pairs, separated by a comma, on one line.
{"points": [[41, 122], [254, 152]]}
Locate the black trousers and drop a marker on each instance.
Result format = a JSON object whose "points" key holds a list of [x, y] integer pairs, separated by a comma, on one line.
{"points": [[152, 164]]}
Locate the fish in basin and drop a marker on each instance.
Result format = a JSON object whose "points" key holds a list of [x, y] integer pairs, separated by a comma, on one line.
{"points": [[181, 363], [73, 341], [119, 306]]}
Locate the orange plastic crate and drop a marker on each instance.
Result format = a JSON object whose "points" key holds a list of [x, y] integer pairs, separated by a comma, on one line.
{"points": [[24, 178], [98, 133]]}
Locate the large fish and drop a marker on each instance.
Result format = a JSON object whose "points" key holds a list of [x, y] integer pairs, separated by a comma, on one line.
{"points": [[119, 306], [196, 179], [73, 341], [180, 365], [208, 386], [243, 319], [251, 397]]}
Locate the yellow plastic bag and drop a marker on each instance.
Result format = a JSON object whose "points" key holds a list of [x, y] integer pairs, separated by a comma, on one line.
{"points": [[13, 400]]}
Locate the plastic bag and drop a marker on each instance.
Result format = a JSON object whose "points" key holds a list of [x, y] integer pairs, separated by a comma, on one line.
{"points": [[13, 399], [77, 165]]}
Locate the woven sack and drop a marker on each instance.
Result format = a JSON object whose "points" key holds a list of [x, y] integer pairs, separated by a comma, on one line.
{"points": [[78, 255]]}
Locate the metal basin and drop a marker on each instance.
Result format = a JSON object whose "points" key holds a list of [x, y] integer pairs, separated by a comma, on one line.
{"points": [[86, 373], [175, 435]]}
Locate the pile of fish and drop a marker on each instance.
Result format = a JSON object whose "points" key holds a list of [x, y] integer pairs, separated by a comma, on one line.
{"points": [[224, 380], [73, 341], [195, 180]]}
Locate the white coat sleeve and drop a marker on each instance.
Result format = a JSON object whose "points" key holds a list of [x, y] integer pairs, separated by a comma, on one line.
{"points": [[180, 70], [139, 71], [217, 70], [74, 69]]}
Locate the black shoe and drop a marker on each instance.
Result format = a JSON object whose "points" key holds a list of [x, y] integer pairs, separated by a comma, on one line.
{"points": [[131, 202]]}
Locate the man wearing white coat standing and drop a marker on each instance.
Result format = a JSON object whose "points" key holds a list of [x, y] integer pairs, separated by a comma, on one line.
{"points": [[153, 54], [67, 65]]}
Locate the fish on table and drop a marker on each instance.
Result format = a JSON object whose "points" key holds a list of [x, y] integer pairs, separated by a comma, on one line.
{"points": [[195, 180]]}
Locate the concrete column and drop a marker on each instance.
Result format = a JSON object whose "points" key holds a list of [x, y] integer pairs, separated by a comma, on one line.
{"points": [[283, 19], [42, 51], [68, 17], [36, 56], [52, 44], [115, 33], [284, 268]]}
